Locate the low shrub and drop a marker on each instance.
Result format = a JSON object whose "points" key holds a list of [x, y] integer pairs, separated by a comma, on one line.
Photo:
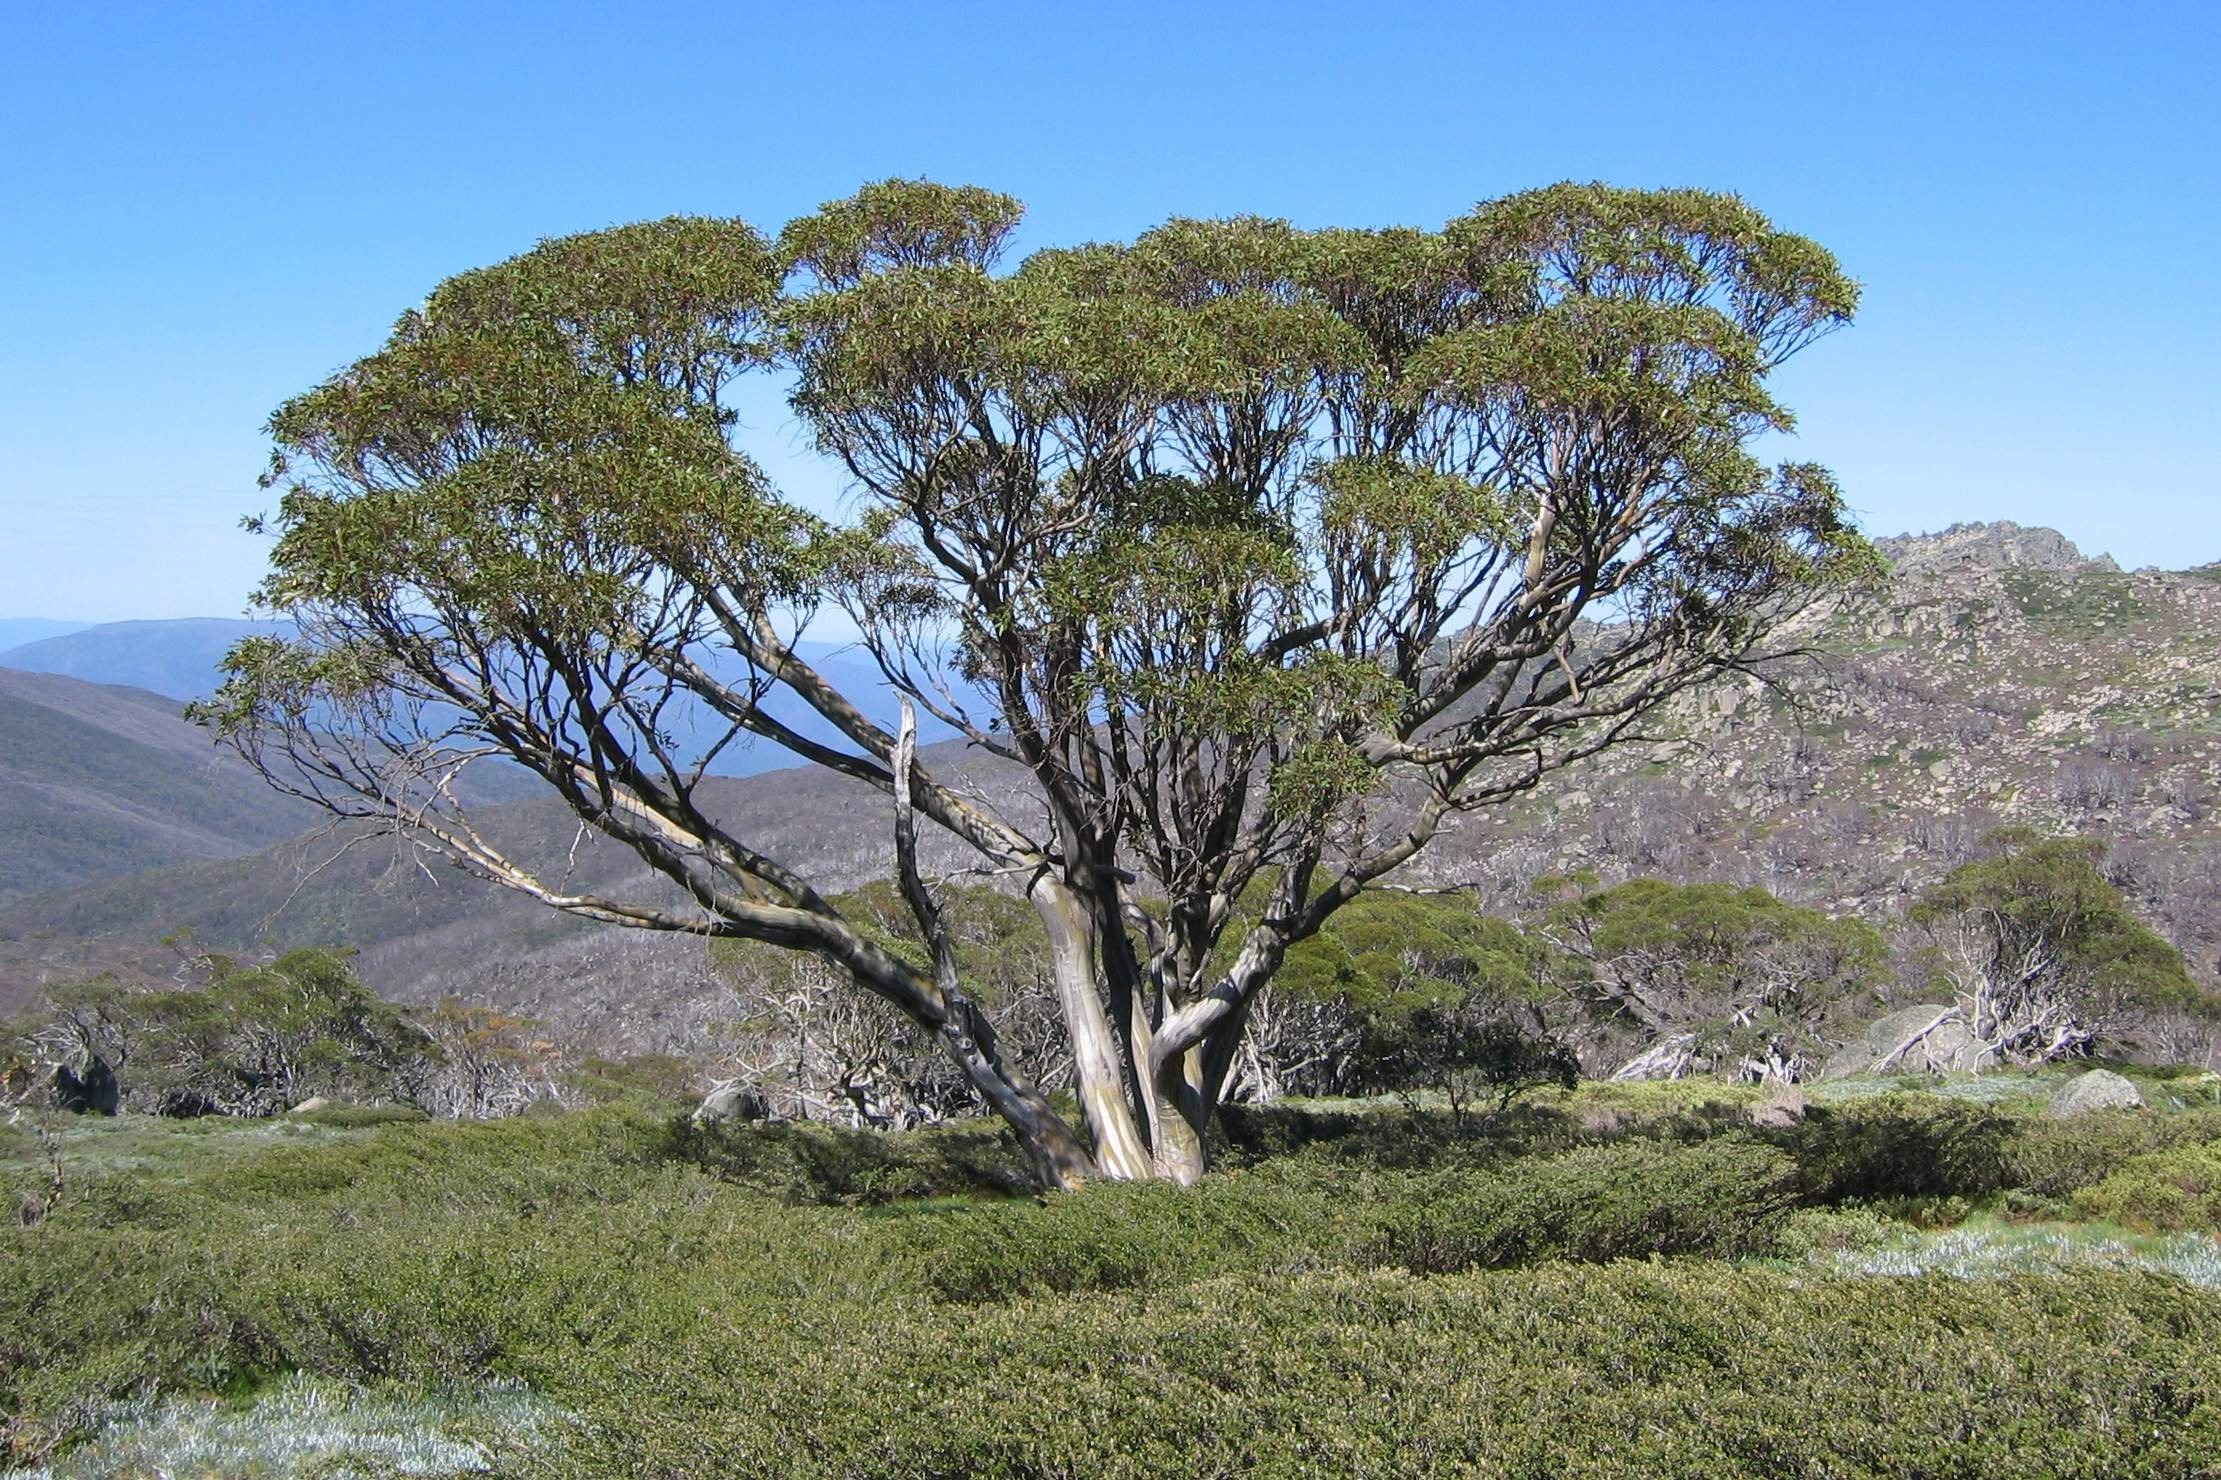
{"points": [[2056, 1157], [1268, 1321], [1114, 1236], [812, 1162], [1899, 1146], [1723, 1199], [2168, 1190], [1682, 1369]]}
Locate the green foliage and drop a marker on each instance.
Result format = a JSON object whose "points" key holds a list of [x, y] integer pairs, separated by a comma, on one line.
{"points": [[1389, 954], [1722, 1199], [2042, 911], [1470, 1053], [1207, 529], [2057, 1157], [2173, 1189], [1900, 1146], [1266, 1321], [1751, 976], [813, 1162], [1437, 997], [251, 1038]]}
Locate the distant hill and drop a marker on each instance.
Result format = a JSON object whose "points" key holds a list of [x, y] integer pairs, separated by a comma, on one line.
{"points": [[181, 660], [2001, 677], [176, 659], [98, 780], [15, 631]]}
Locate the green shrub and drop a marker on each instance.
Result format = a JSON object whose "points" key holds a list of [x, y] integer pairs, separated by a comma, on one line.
{"points": [[2167, 1190], [2057, 1157], [1114, 1236], [1631, 1369], [812, 1162], [1901, 1146], [1267, 1321], [1724, 1199]]}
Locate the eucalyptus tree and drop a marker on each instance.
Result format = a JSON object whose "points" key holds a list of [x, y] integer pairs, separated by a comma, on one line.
{"points": [[1262, 553]]}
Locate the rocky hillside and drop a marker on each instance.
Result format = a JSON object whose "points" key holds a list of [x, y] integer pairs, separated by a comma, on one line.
{"points": [[2000, 678]]}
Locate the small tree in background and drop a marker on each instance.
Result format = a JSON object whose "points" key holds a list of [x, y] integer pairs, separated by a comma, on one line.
{"points": [[488, 1063], [1402, 992], [811, 1047], [1711, 976], [1254, 551], [2041, 955], [246, 1038]]}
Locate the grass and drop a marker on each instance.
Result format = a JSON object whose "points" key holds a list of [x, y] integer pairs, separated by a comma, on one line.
{"points": [[1986, 1249], [1624, 1279], [303, 1425]]}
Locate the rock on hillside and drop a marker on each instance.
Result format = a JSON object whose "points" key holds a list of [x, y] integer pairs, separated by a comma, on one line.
{"points": [[2003, 545]]}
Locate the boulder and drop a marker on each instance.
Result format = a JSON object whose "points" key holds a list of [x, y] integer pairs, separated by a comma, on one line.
{"points": [[2100, 1089], [88, 1089], [311, 1104], [731, 1102], [1929, 1038], [1777, 1114]]}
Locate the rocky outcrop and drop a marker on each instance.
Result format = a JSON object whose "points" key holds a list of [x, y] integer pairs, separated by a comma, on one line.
{"points": [[87, 1086], [730, 1102], [2003, 545], [1931, 1038]]}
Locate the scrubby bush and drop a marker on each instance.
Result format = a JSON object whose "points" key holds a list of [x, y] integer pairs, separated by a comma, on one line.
{"points": [[812, 1162], [1900, 1146], [2041, 954], [245, 1038], [696, 1303], [2178, 1189], [1723, 1199], [1685, 1369], [2056, 1157], [1738, 980]]}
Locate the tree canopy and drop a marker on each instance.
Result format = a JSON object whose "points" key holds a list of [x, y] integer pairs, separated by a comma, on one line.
{"points": [[1259, 552]]}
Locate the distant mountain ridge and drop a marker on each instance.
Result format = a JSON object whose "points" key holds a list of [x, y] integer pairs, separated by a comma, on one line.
{"points": [[182, 659], [16, 631], [178, 659], [96, 780]]}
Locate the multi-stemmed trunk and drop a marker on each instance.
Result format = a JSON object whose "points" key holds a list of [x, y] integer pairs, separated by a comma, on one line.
{"points": [[1149, 1099]]}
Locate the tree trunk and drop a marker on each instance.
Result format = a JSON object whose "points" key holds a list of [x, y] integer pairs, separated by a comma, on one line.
{"points": [[1184, 1111], [1121, 1152]]}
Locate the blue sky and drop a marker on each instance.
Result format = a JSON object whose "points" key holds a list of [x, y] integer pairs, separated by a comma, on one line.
{"points": [[209, 207]]}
